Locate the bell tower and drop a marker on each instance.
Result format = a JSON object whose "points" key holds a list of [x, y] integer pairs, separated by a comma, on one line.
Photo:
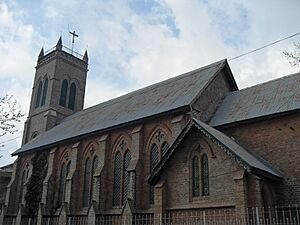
{"points": [[58, 89]]}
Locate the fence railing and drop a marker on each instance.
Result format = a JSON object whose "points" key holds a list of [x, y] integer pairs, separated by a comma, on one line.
{"points": [[50, 220], [250, 216], [77, 220]]}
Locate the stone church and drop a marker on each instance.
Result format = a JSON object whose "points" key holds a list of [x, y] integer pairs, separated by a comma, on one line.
{"points": [[191, 143]]}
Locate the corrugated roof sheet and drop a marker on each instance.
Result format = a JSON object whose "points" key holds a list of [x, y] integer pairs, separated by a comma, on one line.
{"points": [[252, 162], [165, 96], [268, 98]]}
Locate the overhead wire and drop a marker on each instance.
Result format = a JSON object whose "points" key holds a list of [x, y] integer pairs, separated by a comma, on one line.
{"points": [[265, 46]]}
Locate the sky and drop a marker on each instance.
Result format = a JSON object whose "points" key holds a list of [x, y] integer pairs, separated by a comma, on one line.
{"points": [[134, 43]]}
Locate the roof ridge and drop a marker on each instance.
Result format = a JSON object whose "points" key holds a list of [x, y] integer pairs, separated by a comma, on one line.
{"points": [[141, 90], [264, 83]]}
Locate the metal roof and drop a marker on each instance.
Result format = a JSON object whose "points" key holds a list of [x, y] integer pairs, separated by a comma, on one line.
{"points": [[276, 96], [246, 158], [165, 96]]}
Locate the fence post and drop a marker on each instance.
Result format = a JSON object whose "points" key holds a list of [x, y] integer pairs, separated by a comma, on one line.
{"points": [[3, 210], [257, 215]]}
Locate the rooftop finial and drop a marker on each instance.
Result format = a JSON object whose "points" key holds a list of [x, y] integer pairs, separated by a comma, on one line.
{"points": [[85, 56], [59, 44], [41, 54]]}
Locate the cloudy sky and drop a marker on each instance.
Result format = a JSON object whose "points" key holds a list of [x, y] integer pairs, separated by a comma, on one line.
{"points": [[134, 43]]}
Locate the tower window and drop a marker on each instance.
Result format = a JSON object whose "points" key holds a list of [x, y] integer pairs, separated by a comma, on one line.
{"points": [[38, 95], [63, 93], [44, 92], [72, 96]]}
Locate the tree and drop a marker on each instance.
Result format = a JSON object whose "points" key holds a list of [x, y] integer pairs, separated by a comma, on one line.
{"points": [[294, 56], [10, 114]]}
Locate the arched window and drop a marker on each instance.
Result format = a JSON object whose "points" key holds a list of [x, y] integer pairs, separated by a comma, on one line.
{"points": [[87, 182], [117, 180], [164, 148], [63, 93], [154, 156], [195, 176], [38, 95], [64, 171], [24, 176], [44, 92], [204, 175], [72, 96], [127, 159]]}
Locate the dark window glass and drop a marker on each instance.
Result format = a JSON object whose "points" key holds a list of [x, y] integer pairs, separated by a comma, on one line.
{"points": [[94, 167], [205, 175], [45, 88], [164, 148], [63, 93], [72, 96], [117, 180], [24, 176], [195, 176], [62, 184], [86, 183], [127, 159], [38, 95], [154, 156]]}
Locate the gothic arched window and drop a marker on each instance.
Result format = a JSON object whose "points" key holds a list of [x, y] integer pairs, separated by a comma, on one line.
{"points": [[195, 176], [38, 95], [72, 96], [204, 175], [87, 182], [64, 171], [127, 159], [154, 156], [164, 148], [63, 93], [117, 179], [45, 87], [23, 179]]}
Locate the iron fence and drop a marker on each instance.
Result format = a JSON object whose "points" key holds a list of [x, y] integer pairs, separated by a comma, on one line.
{"points": [[77, 220], [9, 220], [50, 220]]}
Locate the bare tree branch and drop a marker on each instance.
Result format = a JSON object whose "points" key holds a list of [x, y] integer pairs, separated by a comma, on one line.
{"points": [[294, 56], [10, 114]]}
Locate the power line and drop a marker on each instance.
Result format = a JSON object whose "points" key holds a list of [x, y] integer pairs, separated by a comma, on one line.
{"points": [[257, 49], [9, 140]]}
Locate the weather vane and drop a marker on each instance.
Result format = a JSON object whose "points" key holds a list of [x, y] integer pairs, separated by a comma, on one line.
{"points": [[73, 38]]}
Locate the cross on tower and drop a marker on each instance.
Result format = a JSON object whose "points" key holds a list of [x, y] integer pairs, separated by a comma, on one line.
{"points": [[73, 38]]}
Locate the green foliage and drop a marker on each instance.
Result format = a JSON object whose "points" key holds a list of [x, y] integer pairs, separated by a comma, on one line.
{"points": [[35, 184]]}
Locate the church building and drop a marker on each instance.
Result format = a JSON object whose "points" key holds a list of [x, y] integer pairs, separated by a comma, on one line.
{"points": [[191, 145]]}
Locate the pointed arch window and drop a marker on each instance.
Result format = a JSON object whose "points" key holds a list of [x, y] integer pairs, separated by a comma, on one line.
{"points": [[72, 96], [63, 93], [200, 175], [204, 175], [127, 159], [87, 182], [24, 177], [165, 146], [195, 176], [117, 180], [154, 155], [45, 88], [64, 171], [38, 95]]}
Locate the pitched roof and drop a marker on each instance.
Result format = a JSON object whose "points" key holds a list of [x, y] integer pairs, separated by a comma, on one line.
{"points": [[172, 94], [273, 97], [246, 158]]}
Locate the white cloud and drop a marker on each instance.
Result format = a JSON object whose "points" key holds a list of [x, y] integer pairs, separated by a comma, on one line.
{"points": [[129, 49]]}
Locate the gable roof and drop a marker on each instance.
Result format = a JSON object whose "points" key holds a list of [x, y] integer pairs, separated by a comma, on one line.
{"points": [[173, 94], [273, 97], [247, 159]]}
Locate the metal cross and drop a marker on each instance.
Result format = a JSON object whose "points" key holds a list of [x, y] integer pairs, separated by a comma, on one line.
{"points": [[73, 38]]}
